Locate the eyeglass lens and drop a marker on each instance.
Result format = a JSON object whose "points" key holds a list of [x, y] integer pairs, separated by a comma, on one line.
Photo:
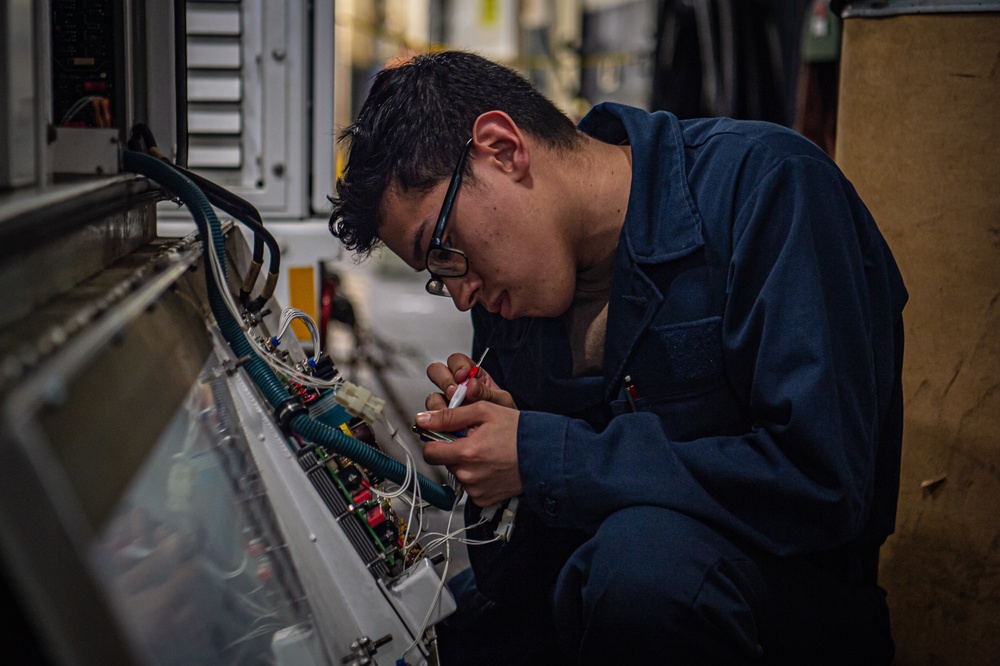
{"points": [[446, 262]]}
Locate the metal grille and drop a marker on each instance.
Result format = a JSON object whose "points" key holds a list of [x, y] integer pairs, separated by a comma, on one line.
{"points": [[215, 89]]}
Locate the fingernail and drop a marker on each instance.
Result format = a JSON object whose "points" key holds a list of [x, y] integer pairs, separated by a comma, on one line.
{"points": [[423, 418]]}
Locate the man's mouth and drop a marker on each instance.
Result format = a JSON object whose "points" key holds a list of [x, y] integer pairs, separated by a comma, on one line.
{"points": [[497, 303]]}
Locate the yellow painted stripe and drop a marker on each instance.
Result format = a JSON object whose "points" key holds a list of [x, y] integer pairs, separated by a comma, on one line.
{"points": [[302, 295], [489, 12]]}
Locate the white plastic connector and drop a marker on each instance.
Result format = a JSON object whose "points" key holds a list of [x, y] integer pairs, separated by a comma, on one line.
{"points": [[506, 524], [359, 401], [419, 596]]}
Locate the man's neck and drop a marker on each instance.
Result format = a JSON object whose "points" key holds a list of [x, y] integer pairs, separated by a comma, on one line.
{"points": [[601, 181]]}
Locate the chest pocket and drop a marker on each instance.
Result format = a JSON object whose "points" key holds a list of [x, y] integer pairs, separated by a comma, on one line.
{"points": [[677, 371]]}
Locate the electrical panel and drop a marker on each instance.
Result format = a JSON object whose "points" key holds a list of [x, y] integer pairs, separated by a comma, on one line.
{"points": [[183, 482], [87, 55], [159, 509]]}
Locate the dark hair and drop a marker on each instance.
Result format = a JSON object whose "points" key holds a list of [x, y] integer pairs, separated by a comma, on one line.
{"points": [[414, 124]]}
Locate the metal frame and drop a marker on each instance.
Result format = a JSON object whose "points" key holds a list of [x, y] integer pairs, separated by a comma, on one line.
{"points": [[18, 118], [45, 526], [323, 130], [287, 108], [881, 8]]}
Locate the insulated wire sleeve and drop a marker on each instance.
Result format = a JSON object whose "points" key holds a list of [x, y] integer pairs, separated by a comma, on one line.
{"points": [[242, 210], [270, 386], [237, 207]]}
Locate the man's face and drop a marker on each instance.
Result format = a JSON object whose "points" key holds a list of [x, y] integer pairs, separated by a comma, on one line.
{"points": [[518, 264]]}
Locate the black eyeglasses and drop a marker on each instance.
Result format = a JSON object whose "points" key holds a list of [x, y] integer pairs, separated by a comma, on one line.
{"points": [[443, 261]]}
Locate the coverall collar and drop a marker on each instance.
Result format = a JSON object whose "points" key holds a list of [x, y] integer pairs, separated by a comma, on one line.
{"points": [[669, 197]]}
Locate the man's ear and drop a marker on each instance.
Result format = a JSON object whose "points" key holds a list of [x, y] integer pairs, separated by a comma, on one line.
{"points": [[497, 140]]}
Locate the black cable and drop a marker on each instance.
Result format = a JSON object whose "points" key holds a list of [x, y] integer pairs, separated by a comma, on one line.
{"points": [[142, 140], [181, 80], [242, 210]]}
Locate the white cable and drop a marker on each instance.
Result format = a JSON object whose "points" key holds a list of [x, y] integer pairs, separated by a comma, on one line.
{"points": [[77, 107], [410, 464], [417, 502], [444, 538], [279, 366], [265, 354], [288, 315], [440, 587]]}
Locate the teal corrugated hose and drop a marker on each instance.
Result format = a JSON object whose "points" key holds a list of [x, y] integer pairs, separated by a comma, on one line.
{"points": [[443, 497]]}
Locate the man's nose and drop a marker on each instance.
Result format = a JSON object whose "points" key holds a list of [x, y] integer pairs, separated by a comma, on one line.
{"points": [[463, 290]]}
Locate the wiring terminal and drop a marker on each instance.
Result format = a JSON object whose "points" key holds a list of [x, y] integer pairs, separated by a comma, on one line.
{"points": [[359, 402]]}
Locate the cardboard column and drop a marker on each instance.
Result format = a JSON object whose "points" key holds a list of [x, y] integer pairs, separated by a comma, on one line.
{"points": [[919, 136]]}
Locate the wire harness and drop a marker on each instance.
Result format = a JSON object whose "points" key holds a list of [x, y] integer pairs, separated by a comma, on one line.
{"points": [[263, 366]]}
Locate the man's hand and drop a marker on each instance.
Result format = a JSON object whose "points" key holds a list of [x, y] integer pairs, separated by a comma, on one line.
{"points": [[481, 388], [485, 460]]}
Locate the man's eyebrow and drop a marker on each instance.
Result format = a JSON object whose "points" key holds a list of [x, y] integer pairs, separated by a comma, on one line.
{"points": [[418, 242]]}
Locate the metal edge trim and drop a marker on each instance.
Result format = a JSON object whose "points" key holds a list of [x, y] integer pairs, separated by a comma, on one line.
{"points": [[884, 8]]}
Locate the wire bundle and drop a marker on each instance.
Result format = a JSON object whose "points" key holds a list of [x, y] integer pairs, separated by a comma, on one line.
{"points": [[260, 367], [265, 366], [288, 315]]}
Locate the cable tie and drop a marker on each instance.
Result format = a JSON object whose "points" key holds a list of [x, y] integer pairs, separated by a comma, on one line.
{"points": [[287, 410]]}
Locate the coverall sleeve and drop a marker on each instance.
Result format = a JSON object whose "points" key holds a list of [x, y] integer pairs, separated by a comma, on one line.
{"points": [[798, 349]]}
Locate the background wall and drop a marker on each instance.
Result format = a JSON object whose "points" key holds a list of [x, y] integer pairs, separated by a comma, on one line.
{"points": [[919, 136]]}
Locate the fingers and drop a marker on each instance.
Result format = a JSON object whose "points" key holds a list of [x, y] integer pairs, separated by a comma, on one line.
{"points": [[441, 453], [446, 378], [435, 401], [482, 387], [485, 461], [455, 371], [442, 377], [451, 420], [460, 365]]}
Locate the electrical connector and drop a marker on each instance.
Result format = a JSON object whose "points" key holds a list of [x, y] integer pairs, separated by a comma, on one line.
{"points": [[506, 524], [359, 402], [324, 368]]}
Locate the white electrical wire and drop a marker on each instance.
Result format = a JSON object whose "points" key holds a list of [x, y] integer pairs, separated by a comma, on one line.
{"points": [[416, 503], [410, 465], [277, 365], [443, 538], [78, 106], [281, 367], [288, 315], [437, 593]]}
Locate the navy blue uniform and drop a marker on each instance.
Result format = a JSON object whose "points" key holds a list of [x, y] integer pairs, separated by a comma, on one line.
{"points": [[735, 514]]}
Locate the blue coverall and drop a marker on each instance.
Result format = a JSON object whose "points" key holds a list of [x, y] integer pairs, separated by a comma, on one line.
{"points": [[735, 515]]}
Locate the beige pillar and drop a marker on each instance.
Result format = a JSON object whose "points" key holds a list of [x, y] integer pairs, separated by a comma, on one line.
{"points": [[919, 136]]}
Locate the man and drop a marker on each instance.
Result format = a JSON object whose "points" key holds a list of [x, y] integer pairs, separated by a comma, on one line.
{"points": [[693, 381]]}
